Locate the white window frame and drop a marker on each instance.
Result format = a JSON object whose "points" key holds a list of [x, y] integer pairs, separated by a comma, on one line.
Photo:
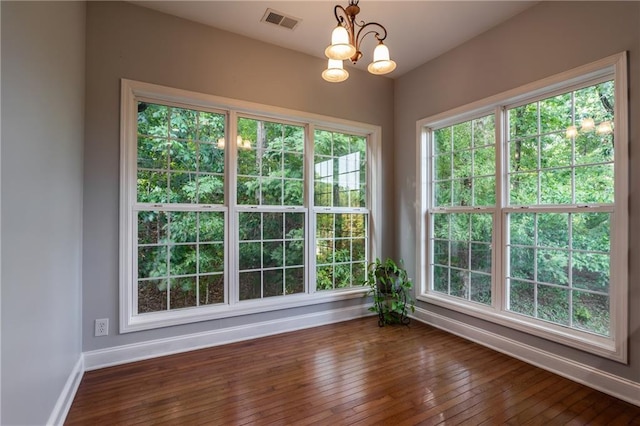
{"points": [[614, 346], [131, 93]]}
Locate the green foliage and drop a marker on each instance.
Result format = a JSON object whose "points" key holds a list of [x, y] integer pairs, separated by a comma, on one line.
{"points": [[181, 160], [391, 289], [270, 172], [558, 263]]}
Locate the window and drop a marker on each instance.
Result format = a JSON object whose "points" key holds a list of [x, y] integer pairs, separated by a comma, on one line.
{"points": [[220, 215], [180, 243], [525, 208], [464, 199], [341, 215]]}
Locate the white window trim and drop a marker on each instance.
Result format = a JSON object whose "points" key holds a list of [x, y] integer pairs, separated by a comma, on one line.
{"points": [[613, 347], [131, 92]]}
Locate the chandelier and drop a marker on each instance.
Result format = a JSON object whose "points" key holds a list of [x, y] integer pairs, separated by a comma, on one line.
{"points": [[345, 44]]}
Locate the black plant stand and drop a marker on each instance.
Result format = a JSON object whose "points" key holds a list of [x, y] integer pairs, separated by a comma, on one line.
{"points": [[398, 318]]}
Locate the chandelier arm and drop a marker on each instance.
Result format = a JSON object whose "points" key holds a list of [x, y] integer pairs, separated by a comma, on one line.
{"points": [[341, 19], [359, 36]]}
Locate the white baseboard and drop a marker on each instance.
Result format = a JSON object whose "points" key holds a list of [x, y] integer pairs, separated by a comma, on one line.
{"points": [[618, 387], [63, 404], [144, 350]]}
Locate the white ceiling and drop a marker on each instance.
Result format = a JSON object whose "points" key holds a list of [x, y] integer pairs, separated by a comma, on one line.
{"points": [[417, 30]]}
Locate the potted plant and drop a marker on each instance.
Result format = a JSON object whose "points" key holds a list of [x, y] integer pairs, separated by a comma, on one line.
{"points": [[390, 287]]}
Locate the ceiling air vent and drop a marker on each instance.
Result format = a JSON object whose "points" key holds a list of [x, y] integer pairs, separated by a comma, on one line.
{"points": [[280, 19]]}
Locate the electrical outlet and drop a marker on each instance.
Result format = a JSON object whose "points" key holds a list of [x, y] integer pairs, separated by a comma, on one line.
{"points": [[102, 327]]}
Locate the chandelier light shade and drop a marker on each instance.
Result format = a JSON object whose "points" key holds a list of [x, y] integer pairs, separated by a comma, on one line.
{"points": [[587, 125], [381, 63], [335, 73], [340, 49], [346, 39]]}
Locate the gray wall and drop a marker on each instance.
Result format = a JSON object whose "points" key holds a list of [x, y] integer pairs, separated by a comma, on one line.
{"points": [[547, 39], [42, 142], [127, 41]]}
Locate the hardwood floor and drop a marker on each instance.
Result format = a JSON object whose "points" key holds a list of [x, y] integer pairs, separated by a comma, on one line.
{"points": [[351, 373]]}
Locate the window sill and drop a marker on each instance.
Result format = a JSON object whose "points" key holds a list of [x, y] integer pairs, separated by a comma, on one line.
{"points": [[154, 320], [594, 344]]}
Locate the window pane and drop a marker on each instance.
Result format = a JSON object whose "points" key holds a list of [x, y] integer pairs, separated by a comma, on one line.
{"points": [[250, 285], [466, 176], [522, 262], [340, 173], [183, 227], [277, 241], [553, 230], [591, 231], [484, 191], [210, 189], [522, 297], [591, 312], [553, 304], [443, 167], [442, 138], [152, 153], [441, 252], [210, 258], [210, 158], [594, 184], [341, 241], [481, 257], [522, 228], [481, 227], [441, 279], [152, 187], [294, 280], [152, 227], [210, 126], [460, 254], [152, 296], [484, 131], [480, 288], [182, 188], [556, 113], [553, 266], [523, 155], [183, 155], [248, 190], [250, 255], [462, 136], [523, 189], [591, 271], [273, 226], [456, 256], [272, 254], [484, 161], [273, 283], [443, 193], [152, 262], [555, 186], [153, 120], [183, 259], [459, 284], [269, 154], [180, 150], [523, 121], [183, 123], [441, 225], [182, 292], [211, 289], [556, 149]]}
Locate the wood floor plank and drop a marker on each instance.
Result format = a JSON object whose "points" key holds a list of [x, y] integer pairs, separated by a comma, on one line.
{"points": [[350, 373]]}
